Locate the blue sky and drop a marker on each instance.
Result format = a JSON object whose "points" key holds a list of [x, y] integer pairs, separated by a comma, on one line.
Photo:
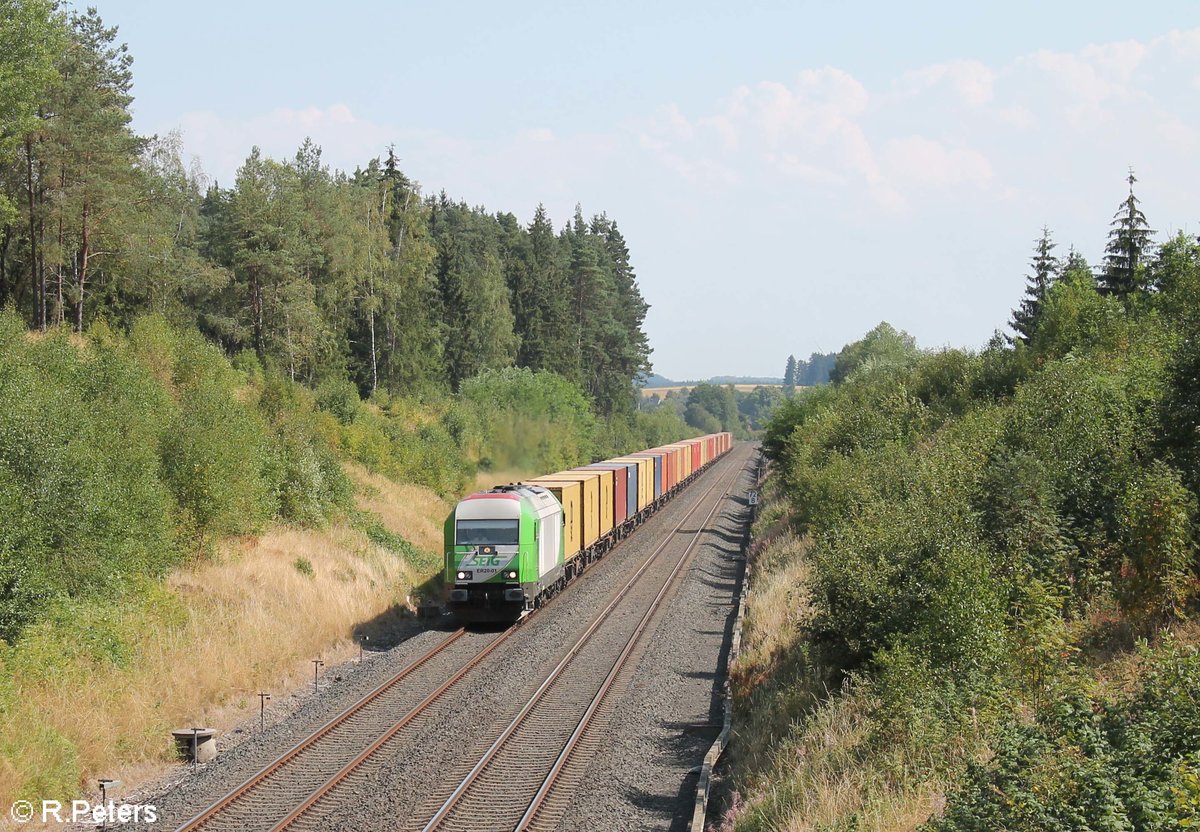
{"points": [[787, 174]]}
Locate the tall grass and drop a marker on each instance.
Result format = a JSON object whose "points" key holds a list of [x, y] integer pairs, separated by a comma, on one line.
{"points": [[802, 751], [94, 689]]}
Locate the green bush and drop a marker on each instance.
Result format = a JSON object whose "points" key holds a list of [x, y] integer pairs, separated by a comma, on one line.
{"points": [[1093, 764], [533, 420], [80, 492], [121, 454], [1156, 519], [215, 449]]}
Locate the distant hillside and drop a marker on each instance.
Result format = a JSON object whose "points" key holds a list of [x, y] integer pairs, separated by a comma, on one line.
{"points": [[662, 392], [655, 380], [744, 380]]}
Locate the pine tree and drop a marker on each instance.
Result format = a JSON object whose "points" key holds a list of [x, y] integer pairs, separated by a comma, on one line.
{"points": [[1128, 239], [1045, 270], [475, 308], [789, 374], [93, 153], [413, 351]]}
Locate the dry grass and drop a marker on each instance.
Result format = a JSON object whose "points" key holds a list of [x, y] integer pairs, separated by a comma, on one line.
{"points": [[799, 749], [412, 511], [779, 603], [246, 621], [820, 780]]}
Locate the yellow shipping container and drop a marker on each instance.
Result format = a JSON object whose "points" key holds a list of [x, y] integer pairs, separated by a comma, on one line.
{"points": [[591, 500], [685, 459], [607, 498]]}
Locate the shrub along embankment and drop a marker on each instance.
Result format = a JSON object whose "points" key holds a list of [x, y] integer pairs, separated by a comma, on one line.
{"points": [[974, 598]]}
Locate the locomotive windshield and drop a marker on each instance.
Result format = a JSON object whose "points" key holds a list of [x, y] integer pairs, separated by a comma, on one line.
{"points": [[480, 532]]}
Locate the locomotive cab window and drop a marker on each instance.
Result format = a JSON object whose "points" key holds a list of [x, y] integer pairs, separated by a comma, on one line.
{"points": [[480, 532]]}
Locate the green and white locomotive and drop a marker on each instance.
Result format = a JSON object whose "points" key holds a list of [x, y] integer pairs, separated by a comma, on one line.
{"points": [[504, 552]]}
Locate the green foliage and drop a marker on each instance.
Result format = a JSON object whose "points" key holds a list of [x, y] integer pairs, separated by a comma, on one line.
{"points": [[712, 409], [1157, 517], [30, 37], [323, 275], [533, 420], [1175, 274], [757, 406], [882, 345], [969, 517], [1075, 317], [1046, 267], [988, 534], [644, 430], [944, 382], [1094, 764], [305, 480], [215, 449], [79, 484], [1128, 240], [304, 567], [1180, 408], [119, 456]]}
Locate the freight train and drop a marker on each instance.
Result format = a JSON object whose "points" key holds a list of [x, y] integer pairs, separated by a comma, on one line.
{"points": [[508, 550]]}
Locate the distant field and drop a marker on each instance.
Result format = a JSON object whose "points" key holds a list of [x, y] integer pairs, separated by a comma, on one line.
{"points": [[647, 392]]}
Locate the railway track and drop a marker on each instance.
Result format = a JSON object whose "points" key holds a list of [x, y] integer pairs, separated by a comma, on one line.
{"points": [[270, 796], [525, 778], [285, 793]]}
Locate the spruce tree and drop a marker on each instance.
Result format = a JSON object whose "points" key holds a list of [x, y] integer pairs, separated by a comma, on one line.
{"points": [[789, 374], [557, 346], [1045, 270], [1128, 239]]}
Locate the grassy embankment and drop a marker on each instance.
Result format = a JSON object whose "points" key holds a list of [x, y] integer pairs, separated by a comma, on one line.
{"points": [[177, 533], [197, 645], [812, 754], [976, 588]]}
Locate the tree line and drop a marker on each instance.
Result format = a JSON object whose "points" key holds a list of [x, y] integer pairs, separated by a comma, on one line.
{"points": [[321, 274], [808, 373]]}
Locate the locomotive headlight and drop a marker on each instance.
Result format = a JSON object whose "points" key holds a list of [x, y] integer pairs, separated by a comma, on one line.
{"points": [[464, 575], [511, 575]]}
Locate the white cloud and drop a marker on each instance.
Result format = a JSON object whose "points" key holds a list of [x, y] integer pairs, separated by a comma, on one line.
{"points": [[1183, 44], [222, 143], [970, 81], [918, 161], [932, 132], [1073, 76], [823, 159]]}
